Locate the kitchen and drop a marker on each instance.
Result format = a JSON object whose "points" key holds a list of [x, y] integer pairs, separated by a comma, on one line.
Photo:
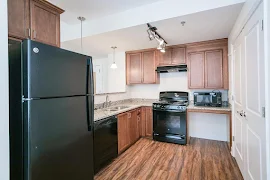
{"points": [[166, 92]]}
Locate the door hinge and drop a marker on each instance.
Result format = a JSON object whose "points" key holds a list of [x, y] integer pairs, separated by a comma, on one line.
{"points": [[232, 97], [263, 112], [262, 26], [233, 138]]}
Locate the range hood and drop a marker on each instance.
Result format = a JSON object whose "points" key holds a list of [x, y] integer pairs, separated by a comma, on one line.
{"points": [[168, 69]]}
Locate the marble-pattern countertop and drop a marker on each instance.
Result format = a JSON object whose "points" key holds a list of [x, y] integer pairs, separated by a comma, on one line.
{"points": [[223, 108], [103, 113], [133, 104]]}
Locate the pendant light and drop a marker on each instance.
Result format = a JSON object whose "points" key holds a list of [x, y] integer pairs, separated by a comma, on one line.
{"points": [[80, 18], [114, 66]]}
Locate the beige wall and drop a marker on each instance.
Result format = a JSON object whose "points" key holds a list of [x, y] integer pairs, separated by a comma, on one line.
{"points": [[4, 123]]}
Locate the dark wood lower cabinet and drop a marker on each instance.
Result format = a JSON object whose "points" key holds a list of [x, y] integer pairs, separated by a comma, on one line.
{"points": [[132, 125], [148, 121], [123, 127]]}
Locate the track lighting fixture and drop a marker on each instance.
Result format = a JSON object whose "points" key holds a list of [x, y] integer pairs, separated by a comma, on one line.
{"points": [[152, 34]]}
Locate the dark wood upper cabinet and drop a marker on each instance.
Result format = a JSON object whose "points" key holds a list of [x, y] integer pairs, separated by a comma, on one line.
{"points": [[19, 19], [208, 65], [165, 59], [141, 68], [38, 20], [196, 70], [45, 23], [174, 55], [134, 68], [179, 55], [149, 67], [213, 69]]}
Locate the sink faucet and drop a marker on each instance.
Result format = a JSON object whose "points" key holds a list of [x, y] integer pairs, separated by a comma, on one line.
{"points": [[107, 102]]}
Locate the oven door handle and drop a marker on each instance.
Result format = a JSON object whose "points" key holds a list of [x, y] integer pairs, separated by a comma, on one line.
{"points": [[175, 111]]}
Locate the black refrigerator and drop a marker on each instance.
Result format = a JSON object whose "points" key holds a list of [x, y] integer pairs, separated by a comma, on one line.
{"points": [[51, 113]]}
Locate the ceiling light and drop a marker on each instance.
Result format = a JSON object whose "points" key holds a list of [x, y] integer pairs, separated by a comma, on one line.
{"points": [[163, 50], [161, 44], [80, 18], [114, 66], [150, 34]]}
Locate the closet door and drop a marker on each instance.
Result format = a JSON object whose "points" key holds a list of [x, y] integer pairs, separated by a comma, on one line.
{"points": [[254, 94], [239, 103], [249, 90]]}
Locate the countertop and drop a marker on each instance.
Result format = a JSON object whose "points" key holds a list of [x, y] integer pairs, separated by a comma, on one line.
{"points": [[103, 113], [223, 108]]}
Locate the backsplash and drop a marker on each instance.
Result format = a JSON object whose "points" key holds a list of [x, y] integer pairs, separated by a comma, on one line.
{"points": [[130, 101]]}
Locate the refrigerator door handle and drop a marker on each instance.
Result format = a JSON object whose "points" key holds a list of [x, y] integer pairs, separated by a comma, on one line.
{"points": [[90, 92]]}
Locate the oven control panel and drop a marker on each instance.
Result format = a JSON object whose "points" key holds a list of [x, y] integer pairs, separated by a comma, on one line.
{"points": [[170, 107]]}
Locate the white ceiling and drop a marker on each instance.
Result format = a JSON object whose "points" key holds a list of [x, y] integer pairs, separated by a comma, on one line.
{"points": [[207, 25], [93, 9]]}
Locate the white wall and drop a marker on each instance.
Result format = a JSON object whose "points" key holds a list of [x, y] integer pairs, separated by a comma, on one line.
{"points": [[117, 77], [112, 97], [208, 126], [4, 122], [113, 80], [168, 82]]}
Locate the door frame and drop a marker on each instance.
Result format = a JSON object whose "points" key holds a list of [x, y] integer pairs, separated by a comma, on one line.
{"points": [[267, 80]]}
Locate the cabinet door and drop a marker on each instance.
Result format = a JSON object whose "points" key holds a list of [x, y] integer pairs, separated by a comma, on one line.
{"points": [[196, 70], [139, 122], [134, 68], [165, 58], [133, 123], [123, 134], [149, 67], [179, 56], [45, 24], [18, 18], [213, 69], [143, 121], [148, 121]]}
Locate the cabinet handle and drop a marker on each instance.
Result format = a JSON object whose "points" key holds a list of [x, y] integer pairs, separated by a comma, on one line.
{"points": [[28, 32], [35, 34]]}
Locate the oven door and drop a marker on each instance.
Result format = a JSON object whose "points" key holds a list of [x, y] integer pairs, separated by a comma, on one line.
{"points": [[169, 122]]}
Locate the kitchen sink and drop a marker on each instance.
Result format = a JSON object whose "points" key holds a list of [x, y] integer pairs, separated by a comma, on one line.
{"points": [[117, 108]]}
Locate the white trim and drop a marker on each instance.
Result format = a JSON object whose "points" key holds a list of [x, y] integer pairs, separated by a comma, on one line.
{"points": [[4, 121], [246, 13], [267, 80]]}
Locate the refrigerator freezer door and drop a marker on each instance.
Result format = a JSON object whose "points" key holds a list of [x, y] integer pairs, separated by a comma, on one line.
{"points": [[49, 71], [59, 141]]}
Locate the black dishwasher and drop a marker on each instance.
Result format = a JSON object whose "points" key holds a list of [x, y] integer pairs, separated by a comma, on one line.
{"points": [[105, 142]]}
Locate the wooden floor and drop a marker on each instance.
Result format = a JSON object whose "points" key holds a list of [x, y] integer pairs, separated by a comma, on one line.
{"points": [[148, 159]]}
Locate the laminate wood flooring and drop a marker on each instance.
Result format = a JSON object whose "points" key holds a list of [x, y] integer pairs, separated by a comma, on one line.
{"points": [[148, 159]]}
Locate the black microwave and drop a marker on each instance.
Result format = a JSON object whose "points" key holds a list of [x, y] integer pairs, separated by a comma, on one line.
{"points": [[208, 99]]}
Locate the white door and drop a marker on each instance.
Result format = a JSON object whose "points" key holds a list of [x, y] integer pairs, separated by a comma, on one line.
{"points": [[99, 79], [254, 91], [239, 102], [250, 135]]}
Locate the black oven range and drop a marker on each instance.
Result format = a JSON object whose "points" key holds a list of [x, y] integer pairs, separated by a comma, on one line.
{"points": [[169, 117]]}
